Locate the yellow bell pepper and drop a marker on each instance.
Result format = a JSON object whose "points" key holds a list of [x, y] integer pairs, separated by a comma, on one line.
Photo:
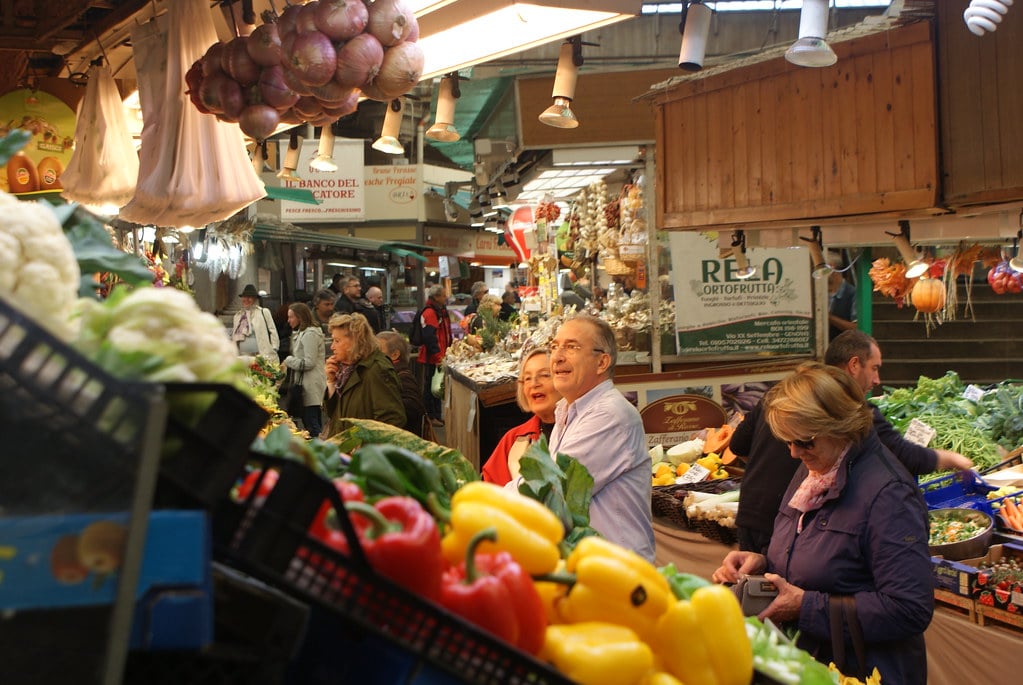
{"points": [[595, 653], [711, 462], [719, 474], [614, 585], [703, 640], [664, 479], [526, 529], [681, 469], [660, 678], [550, 594]]}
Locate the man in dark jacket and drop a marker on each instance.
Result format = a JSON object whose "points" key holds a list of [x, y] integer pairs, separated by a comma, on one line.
{"points": [[770, 467], [478, 290], [395, 347], [351, 301], [436, 323]]}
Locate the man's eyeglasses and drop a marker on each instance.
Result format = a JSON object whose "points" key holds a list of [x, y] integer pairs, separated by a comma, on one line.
{"points": [[570, 349], [802, 444], [538, 378]]}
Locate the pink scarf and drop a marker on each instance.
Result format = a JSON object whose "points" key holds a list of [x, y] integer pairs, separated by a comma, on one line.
{"points": [[811, 492]]}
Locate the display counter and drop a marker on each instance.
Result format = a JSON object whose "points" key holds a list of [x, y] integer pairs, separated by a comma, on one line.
{"points": [[478, 416], [958, 651]]}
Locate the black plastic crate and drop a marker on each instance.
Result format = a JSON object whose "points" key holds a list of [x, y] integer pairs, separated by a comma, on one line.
{"points": [[210, 427], [267, 538], [75, 441]]}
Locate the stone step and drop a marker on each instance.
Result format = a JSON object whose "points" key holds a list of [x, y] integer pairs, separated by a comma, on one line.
{"points": [[910, 349], [1005, 307], [997, 329]]}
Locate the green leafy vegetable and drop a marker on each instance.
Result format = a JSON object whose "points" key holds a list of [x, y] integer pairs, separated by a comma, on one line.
{"points": [[682, 585], [95, 252], [777, 656], [12, 142]]}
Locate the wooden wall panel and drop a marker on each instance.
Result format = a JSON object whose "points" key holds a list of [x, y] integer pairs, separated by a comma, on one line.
{"points": [[981, 96], [773, 142]]}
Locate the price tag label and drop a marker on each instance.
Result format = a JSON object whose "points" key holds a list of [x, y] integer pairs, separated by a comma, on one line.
{"points": [[695, 474], [919, 433], [973, 392]]}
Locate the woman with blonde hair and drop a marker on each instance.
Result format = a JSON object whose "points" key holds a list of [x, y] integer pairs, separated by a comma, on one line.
{"points": [[306, 352], [849, 545], [535, 394], [361, 381]]}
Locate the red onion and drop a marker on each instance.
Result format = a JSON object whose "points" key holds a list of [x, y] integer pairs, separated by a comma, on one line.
{"points": [[312, 58], [359, 60], [413, 33], [331, 92], [292, 117], [274, 90], [264, 45], [236, 62], [399, 73], [345, 108], [305, 21], [323, 119], [258, 121], [308, 107], [390, 21], [286, 22], [341, 19], [293, 82], [211, 60], [217, 88]]}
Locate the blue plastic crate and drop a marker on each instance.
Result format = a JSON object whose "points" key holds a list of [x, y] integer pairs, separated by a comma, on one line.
{"points": [[960, 489]]}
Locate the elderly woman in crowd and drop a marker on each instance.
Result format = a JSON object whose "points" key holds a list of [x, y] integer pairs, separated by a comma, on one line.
{"points": [[361, 381], [852, 530], [536, 394]]}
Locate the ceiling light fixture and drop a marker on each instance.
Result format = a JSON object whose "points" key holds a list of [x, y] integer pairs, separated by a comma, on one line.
{"points": [[819, 266], [324, 160], [915, 266], [560, 114], [443, 129], [694, 27], [388, 141], [811, 50], [450, 33], [289, 169], [745, 270], [1016, 263]]}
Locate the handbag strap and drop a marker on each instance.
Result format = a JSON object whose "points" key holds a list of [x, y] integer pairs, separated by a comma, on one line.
{"points": [[842, 612]]}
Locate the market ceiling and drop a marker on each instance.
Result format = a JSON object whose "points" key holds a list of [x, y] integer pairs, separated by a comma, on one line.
{"points": [[47, 38]]}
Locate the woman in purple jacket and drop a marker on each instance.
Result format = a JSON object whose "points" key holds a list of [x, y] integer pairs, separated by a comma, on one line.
{"points": [[852, 524]]}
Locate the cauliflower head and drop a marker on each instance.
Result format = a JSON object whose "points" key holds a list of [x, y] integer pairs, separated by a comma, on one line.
{"points": [[39, 272]]}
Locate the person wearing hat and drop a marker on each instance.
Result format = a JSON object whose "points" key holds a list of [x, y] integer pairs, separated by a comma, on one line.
{"points": [[253, 328]]}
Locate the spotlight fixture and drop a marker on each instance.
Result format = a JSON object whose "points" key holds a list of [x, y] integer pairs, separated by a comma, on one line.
{"points": [[560, 115], [811, 50], [388, 141], [820, 267], [289, 169], [324, 160], [915, 266], [694, 27], [443, 129], [1016, 263], [746, 270], [259, 156]]}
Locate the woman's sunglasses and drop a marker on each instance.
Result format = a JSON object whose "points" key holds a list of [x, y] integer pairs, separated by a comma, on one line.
{"points": [[802, 444]]}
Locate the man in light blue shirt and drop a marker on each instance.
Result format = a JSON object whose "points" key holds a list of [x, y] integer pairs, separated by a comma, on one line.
{"points": [[595, 424]]}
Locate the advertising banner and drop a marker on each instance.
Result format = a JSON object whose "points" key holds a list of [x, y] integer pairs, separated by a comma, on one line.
{"points": [[341, 193], [52, 125], [717, 313]]}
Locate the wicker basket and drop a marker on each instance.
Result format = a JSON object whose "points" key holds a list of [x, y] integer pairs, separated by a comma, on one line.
{"points": [[616, 267], [666, 501], [714, 531]]}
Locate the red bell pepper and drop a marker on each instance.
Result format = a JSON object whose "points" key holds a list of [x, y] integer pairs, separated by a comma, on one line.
{"points": [[495, 593], [401, 542]]}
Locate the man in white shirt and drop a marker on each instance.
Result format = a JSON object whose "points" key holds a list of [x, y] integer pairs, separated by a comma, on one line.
{"points": [[595, 424]]}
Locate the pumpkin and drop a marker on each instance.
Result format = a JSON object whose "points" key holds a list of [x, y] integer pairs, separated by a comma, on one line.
{"points": [[717, 439], [928, 295]]}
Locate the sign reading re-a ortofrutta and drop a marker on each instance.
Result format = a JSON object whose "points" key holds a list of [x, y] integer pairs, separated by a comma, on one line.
{"points": [[341, 193], [718, 313]]}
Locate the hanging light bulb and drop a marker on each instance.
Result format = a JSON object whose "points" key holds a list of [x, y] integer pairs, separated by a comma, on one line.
{"points": [[388, 141], [745, 270], [289, 169], [819, 266], [811, 50], [1016, 263], [560, 114], [915, 266], [324, 160], [443, 129], [695, 28]]}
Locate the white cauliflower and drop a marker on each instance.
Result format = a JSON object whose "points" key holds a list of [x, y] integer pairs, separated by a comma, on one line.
{"points": [[160, 335], [39, 273]]}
